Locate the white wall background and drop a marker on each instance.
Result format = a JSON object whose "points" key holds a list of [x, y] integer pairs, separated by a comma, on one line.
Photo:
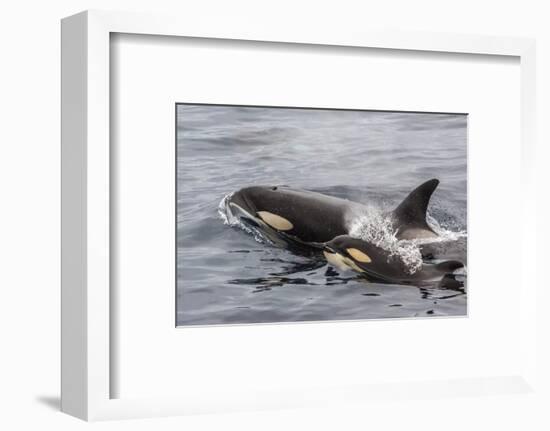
{"points": [[30, 183]]}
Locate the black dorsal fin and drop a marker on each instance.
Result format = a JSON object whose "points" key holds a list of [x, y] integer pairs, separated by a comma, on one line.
{"points": [[411, 213]]}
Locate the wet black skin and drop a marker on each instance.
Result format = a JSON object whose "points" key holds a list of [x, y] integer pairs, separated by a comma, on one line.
{"points": [[318, 218], [389, 268]]}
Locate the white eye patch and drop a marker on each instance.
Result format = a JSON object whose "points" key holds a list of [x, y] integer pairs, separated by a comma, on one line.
{"points": [[358, 255], [275, 221]]}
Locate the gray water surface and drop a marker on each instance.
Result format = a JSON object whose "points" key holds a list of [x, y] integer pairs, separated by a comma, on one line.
{"points": [[226, 276]]}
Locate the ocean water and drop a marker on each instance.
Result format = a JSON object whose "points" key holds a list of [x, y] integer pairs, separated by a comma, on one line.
{"points": [[226, 275]]}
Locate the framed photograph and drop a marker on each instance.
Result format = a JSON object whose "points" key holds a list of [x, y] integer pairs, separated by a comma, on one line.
{"points": [[267, 218], [301, 247]]}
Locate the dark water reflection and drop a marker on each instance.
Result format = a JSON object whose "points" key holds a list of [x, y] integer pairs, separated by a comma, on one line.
{"points": [[225, 276]]}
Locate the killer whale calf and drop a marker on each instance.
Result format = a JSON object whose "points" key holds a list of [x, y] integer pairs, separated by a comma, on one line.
{"points": [[376, 264], [285, 214]]}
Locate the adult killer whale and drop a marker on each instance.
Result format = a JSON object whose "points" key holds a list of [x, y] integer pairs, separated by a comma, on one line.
{"points": [[377, 264], [311, 218]]}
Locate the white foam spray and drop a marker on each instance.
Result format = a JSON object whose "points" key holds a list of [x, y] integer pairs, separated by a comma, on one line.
{"points": [[375, 226]]}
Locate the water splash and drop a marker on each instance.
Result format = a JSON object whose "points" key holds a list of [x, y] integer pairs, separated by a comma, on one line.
{"points": [[230, 219], [225, 213], [444, 230], [376, 227]]}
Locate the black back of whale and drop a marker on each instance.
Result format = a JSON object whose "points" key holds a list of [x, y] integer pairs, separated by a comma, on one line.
{"points": [[317, 218]]}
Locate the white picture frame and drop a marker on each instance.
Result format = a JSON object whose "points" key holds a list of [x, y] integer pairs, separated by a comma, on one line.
{"points": [[86, 311]]}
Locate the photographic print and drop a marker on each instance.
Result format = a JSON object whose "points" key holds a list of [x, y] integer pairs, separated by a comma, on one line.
{"points": [[303, 214]]}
